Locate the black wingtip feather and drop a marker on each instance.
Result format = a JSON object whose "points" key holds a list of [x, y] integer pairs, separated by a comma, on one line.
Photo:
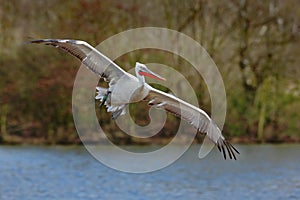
{"points": [[219, 147], [35, 41], [224, 153], [43, 41], [231, 150], [234, 148], [228, 150]]}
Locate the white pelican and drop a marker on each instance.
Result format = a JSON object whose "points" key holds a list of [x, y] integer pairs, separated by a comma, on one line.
{"points": [[125, 88]]}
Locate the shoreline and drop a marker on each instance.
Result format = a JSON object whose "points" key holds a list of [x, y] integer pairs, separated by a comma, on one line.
{"points": [[16, 140]]}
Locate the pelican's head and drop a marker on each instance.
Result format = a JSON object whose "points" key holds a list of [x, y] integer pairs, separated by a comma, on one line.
{"points": [[141, 70]]}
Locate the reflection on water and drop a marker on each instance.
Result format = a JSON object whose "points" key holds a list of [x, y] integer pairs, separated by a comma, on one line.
{"points": [[262, 172]]}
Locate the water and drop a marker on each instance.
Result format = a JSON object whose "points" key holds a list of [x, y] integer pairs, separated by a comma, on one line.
{"points": [[262, 172]]}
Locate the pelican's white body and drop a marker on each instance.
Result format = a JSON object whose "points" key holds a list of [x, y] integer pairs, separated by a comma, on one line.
{"points": [[125, 88]]}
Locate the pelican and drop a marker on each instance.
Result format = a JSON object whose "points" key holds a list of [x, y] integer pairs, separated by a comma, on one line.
{"points": [[125, 88]]}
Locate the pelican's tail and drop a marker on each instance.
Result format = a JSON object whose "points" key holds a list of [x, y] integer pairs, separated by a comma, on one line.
{"points": [[102, 94], [104, 97], [117, 110]]}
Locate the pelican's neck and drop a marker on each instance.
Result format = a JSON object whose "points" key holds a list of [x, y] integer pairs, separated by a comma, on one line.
{"points": [[140, 77]]}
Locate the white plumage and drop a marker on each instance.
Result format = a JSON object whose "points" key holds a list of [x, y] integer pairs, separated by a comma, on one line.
{"points": [[125, 88]]}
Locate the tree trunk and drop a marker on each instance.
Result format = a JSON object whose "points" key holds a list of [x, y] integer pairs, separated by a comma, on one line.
{"points": [[261, 123], [3, 123]]}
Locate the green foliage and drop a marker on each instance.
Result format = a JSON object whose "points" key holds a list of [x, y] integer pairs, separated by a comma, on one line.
{"points": [[256, 47]]}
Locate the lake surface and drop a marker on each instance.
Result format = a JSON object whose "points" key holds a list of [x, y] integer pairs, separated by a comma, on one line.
{"points": [[261, 172]]}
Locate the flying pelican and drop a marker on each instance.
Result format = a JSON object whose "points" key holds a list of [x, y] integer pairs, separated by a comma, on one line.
{"points": [[125, 88]]}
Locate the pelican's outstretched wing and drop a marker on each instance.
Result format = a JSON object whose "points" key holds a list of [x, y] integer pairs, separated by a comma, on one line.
{"points": [[195, 116], [89, 56]]}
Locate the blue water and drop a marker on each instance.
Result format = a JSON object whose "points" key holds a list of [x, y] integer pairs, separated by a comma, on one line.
{"points": [[262, 172]]}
